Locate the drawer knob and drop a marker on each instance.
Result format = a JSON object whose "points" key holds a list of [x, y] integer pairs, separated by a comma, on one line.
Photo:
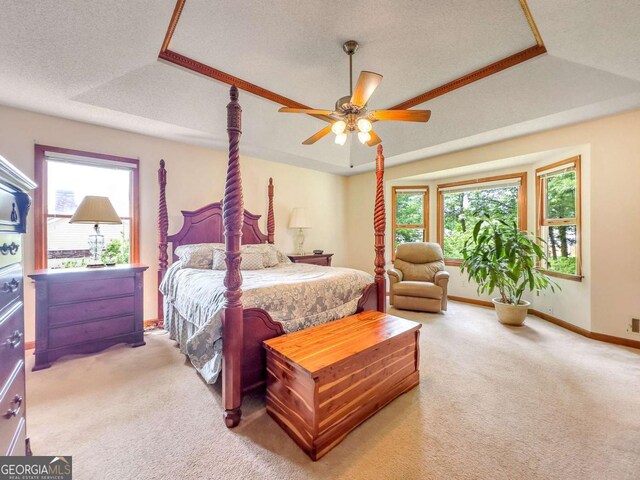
{"points": [[14, 340], [11, 249], [13, 412], [10, 287]]}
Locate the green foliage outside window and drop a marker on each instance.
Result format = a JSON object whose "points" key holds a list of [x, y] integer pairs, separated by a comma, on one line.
{"points": [[116, 251], [561, 240], [409, 211], [463, 210]]}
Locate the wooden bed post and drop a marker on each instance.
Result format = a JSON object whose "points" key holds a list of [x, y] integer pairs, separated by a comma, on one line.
{"points": [[271, 222], [232, 323], [379, 225], [163, 228]]}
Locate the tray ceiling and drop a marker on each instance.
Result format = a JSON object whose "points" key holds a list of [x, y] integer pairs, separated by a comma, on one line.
{"points": [[297, 51], [106, 71]]}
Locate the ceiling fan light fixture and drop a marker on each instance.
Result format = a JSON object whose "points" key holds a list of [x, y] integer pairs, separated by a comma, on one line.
{"points": [[364, 137], [339, 127], [364, 125], [341, 138]]}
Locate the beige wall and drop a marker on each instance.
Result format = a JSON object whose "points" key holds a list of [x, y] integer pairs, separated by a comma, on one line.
{"points": [[611, 151], [195, 178]]}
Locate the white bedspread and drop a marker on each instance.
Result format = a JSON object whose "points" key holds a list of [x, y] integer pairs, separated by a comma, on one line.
{"points": [[296, 295]]}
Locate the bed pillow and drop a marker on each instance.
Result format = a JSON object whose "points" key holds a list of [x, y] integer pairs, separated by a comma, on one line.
{"points": [[268, 251], [197, 255], [249, 260], [283, 257], [218, 259]]}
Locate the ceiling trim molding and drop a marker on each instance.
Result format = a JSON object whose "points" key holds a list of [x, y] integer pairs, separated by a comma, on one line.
{"points": [[472, 77], [181, 60]]}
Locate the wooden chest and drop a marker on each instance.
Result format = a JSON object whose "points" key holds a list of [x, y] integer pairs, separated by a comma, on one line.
{"points": [[324, 381]]}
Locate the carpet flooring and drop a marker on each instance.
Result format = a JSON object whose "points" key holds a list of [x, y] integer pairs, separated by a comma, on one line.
{"points": [[494, 402]]}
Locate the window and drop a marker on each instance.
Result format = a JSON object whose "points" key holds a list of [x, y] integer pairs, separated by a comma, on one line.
{"points": [[64, 178], [462, 204], [558, 215], [410, 215]]}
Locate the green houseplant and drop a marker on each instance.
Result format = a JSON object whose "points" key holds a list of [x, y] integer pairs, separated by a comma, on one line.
{"points": [[501, 257]]}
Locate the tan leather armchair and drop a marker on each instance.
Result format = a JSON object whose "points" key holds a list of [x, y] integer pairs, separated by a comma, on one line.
{"points": [[418, 280]]}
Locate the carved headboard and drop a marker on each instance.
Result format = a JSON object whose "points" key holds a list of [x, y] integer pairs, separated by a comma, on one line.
{"points": [[205, 225]]}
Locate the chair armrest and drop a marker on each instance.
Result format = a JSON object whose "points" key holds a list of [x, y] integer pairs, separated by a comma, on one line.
{"points": [[395, 275], [441, 278]]}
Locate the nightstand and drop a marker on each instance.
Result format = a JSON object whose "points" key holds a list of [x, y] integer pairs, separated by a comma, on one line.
{"points": [[323, 259], [85, 310]]}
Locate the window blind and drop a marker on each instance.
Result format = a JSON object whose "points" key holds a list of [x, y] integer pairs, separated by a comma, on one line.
{"points": [[95, 162], [567, 167], [507, 182]]}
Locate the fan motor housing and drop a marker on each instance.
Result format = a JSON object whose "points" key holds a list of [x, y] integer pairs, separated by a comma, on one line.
{"points": [[344, 106]]}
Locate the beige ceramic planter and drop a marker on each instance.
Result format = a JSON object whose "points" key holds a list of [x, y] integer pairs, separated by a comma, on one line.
{"points": [[511, 314]]}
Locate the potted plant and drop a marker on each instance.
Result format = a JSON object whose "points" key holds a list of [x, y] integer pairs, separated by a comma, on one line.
{"points": [[499, 256]]}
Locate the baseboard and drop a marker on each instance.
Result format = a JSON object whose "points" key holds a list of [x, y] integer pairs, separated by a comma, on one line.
{"points": [[626, 342], [473, 301], [30, 345]]}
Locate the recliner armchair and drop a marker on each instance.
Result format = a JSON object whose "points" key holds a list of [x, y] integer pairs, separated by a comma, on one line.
{"points": [[418, 280]]}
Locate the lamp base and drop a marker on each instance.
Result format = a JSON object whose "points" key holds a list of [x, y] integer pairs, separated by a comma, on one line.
{"points": [[95, 265], [300, 242]]}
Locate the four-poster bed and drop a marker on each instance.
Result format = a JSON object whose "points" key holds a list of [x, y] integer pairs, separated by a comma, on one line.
{"points": [[244, 329]]}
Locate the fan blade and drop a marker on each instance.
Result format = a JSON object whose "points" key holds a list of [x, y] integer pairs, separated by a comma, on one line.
{"points": [[309, 111], [367, 84], [375, 139], [317, 136], [401, 115]]}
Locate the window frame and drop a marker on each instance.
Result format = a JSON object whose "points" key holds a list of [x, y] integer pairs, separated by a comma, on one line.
{"points": [[41, 198], [541, 221], [425, 214], [521, 202]]}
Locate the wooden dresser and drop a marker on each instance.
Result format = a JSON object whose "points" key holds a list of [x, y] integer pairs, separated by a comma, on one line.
{"points": [[323, 259], [14, 206], [85, 310]]}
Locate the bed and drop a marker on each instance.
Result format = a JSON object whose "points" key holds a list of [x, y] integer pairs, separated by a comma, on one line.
{"points": [[222, 327]]}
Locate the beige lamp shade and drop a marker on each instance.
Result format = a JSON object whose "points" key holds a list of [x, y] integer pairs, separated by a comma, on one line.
{"points": [[299, 219], [95, 210]]}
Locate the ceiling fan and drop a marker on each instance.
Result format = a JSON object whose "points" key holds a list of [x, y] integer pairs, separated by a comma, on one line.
{"points": [[351, 114]]}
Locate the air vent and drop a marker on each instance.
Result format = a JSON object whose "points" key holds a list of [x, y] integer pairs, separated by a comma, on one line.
{"points": [[635, 325]]}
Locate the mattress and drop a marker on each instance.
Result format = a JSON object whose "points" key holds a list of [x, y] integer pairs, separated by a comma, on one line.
{"points": [[296, 295]]}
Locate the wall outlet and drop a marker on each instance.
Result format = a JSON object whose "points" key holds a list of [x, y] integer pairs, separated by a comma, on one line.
{"points": [[634, 325]]}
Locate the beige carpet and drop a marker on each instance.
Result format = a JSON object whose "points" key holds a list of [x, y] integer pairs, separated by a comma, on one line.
{"points": [[494, 403]]}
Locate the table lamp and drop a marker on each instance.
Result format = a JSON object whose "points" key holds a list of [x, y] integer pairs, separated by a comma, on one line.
{"points": [[299, 220], [96, 210]]}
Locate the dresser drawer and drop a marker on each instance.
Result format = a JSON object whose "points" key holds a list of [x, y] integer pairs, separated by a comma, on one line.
{"points": [[10, 249], [10, 284], [86, 332], [317, 261], [65, 292], [11, 339], [81, 311], [12, 408]]}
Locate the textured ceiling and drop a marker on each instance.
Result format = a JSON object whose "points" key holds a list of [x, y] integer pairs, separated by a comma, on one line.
{"points": [[105, 70], [297, 52]]}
